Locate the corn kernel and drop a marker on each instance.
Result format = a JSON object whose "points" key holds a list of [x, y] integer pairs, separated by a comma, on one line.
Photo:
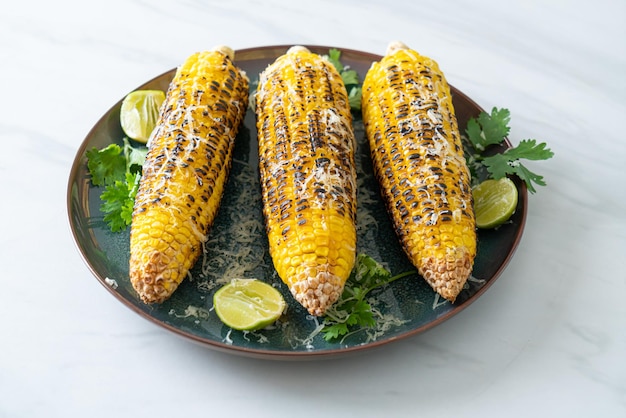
{"points": [[297, 96], [409, 115], [179, 192]]}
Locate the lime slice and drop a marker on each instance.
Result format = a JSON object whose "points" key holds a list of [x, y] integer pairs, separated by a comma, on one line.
{"points": [[139, 113], [494, 202], [248, 304]]}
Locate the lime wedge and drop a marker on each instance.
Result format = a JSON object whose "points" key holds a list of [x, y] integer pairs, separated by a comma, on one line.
{"points": [[248, 304], [494, 202], [139, 113]]}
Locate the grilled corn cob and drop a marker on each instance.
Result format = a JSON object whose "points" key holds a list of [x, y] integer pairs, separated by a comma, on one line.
{"points": [[189, 157], [418, 160], [308, 177]]}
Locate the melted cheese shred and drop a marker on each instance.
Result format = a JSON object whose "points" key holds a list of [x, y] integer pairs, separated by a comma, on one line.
{"points": [[188, 162], [306, 161], [419, 161]]}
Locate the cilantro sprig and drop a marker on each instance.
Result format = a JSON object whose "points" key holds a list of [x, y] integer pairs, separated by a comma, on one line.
{"points": [[118, 200], [491, 129], [118, 170], [350, 79], [352, 311]]}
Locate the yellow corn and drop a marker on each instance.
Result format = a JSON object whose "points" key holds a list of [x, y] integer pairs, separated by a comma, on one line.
{"points": [[418, 159], [183, 178], [308, 177]]}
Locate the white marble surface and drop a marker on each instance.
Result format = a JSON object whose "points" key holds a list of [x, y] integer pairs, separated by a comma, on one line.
{"points": [[547, 339]]}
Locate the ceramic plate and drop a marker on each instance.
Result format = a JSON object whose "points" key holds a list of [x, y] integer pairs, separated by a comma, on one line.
{"points": [[408, 305]]}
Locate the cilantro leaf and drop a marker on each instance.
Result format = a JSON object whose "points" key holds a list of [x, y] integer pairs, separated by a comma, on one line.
{"points": [[335, 330], [350, 79], [488, 129], [474, 134], [334, 56], [352, 311], [369, 273], [106, 165], [354, 97], [501, 165], [118, 200], [362, 313], [135, 157], [118, 169], [530, 150]]}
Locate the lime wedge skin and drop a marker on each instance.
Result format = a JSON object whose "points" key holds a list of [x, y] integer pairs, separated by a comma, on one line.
{"points": [[494, 202], [248, 304], [139, 113]]}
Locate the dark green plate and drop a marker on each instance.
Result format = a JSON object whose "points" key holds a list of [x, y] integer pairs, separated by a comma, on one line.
{"points": [[409, 305]]}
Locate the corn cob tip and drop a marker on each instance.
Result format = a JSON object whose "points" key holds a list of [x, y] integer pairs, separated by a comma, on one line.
{"points": [[226, 50], [296, 49], [447, 276], [230, 53], [149, 281], [318, 291], [395, 46]]}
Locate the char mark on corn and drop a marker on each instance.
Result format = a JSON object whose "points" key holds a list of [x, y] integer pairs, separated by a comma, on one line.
{"points": [[188, 161], [308, 177], [419, 162]]}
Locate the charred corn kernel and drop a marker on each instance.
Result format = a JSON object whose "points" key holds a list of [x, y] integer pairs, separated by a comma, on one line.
{"points": [[418, 159], [188, 160], [306, 161]]}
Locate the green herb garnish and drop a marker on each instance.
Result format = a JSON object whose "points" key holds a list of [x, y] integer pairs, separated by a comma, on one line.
{"points": [[118, 170], [352, 311], [118, 200], [107, 165], [491, 129], [350, 79]]}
